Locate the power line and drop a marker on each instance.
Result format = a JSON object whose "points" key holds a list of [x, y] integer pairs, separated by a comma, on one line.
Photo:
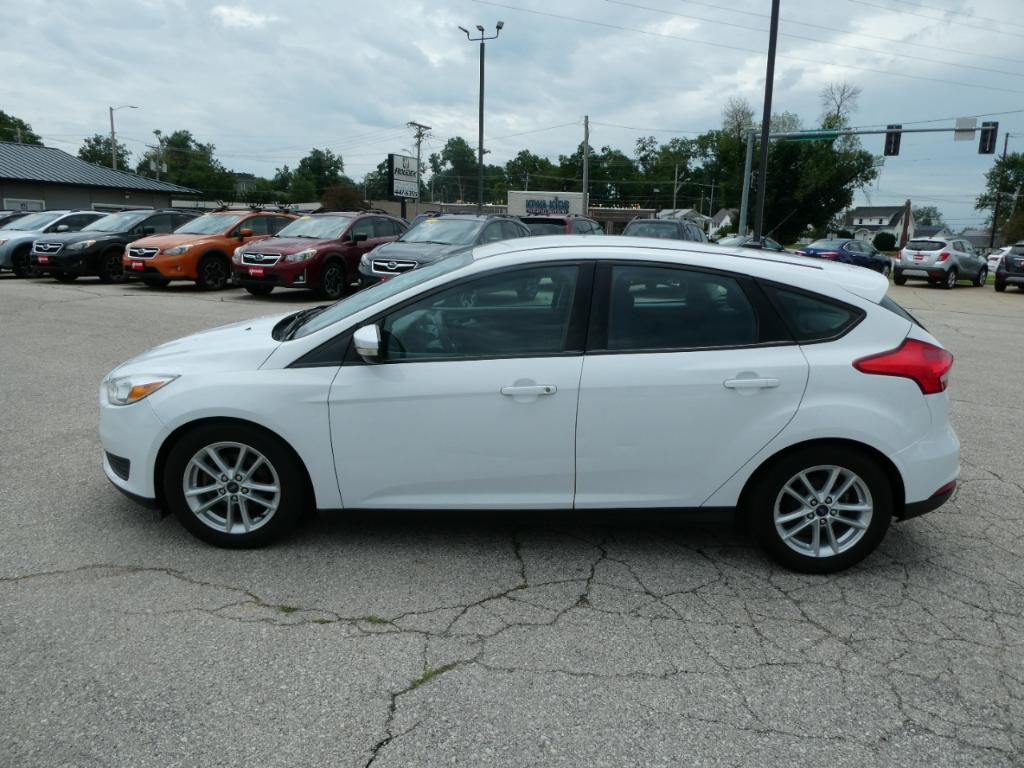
{"points": [[725, 46], [818, 41], [933, 18], [1002, 22]]}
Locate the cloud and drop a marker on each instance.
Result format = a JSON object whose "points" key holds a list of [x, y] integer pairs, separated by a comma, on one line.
{"points": [[240, 17]]}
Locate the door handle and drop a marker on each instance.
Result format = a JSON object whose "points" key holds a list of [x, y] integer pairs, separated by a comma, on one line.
{"points": [[750, 383], [532, 389]]}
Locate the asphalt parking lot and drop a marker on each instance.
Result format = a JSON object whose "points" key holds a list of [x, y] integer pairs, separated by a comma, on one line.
{"points": [[439, 640]]}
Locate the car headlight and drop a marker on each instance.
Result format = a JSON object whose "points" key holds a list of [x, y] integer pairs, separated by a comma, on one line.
{"points": [[81, 245], [309, 253], [177, 250], [125, 390]]}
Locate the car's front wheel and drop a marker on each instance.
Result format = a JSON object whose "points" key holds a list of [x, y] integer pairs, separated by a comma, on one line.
{"points": [[21, 263], [886, 269], [233, 485], [214, 273], [1000, 285], [111, 267], [821, 509], [951, 278], [899, 279], [332, 281], [981, 277]]}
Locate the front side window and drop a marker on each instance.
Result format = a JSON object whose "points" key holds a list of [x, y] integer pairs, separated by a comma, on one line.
{"points": [[258, 225], [277, 223], [492, 233], [666, 308], [161, 224], [521, 313], [78, 220], [363, 227], [383, 227]]}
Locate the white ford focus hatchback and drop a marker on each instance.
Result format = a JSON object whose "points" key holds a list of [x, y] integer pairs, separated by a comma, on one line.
{"points": [[556, 373]]}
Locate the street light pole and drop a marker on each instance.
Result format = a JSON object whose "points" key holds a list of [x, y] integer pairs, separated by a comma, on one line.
{"points": [[766, 119], [480, 138], [113, 140]]}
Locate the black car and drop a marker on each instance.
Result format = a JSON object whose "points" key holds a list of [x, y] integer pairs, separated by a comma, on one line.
{"points": [[571, 224], [433, 239], [98, 248], [1010, 270], [665, 229]]}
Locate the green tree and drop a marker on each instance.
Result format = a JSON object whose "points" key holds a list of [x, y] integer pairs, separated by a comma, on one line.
{"points": [[282, 182], [324, 167], [454, 170], [303, 189], [190, 163], [527, 170], [15, 129], [1003, 180], [884, 241], [96, 149], [1013, 232], [261, 192], [928, 216], [376, 182]]}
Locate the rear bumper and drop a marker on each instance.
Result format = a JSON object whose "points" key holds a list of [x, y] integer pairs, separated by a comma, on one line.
{"points": [[1010, 278], [921, 273], [918, 508]]}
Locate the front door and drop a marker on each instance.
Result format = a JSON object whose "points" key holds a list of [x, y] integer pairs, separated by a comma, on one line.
{"points": [[680, 390], [474, 402]]}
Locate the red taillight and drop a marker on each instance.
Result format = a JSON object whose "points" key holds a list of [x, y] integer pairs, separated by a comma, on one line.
{"points": [[947, 488], [943, 256], [832, 255], [925, 363]]}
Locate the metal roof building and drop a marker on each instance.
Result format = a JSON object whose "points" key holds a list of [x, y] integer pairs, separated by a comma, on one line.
{"points": [[37, 178]]}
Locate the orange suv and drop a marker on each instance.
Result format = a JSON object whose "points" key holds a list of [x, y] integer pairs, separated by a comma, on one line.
{"points": [[201, 249]]}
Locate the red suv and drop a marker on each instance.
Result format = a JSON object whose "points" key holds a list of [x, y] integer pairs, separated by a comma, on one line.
{"points": [[319, 251]]}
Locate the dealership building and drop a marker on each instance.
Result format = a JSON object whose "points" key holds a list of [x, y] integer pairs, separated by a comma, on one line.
{"points": [[37, 178]]}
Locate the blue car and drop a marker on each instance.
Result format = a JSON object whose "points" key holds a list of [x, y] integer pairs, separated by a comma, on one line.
{"points": [[858, 252]]}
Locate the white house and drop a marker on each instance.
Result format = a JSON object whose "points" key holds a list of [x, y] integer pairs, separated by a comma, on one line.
{"points": [[867, 221], [724, 219]]}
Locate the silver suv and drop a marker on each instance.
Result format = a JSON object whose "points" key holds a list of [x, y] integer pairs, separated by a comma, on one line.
{"points": [[16, 236], [941, 261]]}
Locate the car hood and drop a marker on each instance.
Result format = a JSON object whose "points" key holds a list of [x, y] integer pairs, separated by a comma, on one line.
{"points": [[419, 252], [237, 347], [76, 237], [19, 235], [287, 244], [169, 241]]}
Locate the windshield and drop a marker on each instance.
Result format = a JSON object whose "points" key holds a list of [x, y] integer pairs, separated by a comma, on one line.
{"points": [[117, 222], [925, 245], [319, 227], [33, 221], [367, 297], [210, 224], [445, 231], [545, 226], [666, 230], [833, 245]]}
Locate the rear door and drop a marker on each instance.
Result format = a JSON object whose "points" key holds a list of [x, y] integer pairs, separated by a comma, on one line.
{"points": [[688, 374]]}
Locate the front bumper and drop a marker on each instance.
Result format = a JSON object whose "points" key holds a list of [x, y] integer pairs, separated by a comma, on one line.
{"points": [[78, 263], [181, 267], [132, 435], [288, 275]]}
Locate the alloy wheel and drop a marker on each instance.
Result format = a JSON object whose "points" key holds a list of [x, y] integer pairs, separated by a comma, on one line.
{"points": [[951, 279], [823, 511], [231, 487]]}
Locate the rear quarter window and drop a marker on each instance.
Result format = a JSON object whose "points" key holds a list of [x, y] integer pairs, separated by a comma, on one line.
{"points": [[810, 317]]}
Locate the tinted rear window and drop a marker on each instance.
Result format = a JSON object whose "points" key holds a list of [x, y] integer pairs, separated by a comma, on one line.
{"points": [[811, 317], [925, 245]]}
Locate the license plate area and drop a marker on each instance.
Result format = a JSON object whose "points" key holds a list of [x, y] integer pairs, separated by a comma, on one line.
{"points": [[43, 259], [138, 266], [255, 271]]}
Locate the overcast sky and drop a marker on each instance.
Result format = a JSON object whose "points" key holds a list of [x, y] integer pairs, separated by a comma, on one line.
{"points": [[265, 81]]}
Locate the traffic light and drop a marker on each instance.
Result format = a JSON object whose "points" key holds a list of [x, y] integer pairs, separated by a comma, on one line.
{"points": [[892, 140], [987, 144]]}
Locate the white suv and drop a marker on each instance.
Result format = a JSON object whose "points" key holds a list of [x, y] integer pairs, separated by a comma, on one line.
{"points": [[639, 374], [941, 261]]}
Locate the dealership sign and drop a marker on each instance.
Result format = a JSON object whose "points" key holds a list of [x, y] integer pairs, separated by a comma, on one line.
{"points": [[402, 177]]}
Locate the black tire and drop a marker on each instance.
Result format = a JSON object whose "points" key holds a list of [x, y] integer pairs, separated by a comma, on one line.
{"points": [[279, 462], [887, 270], [64, 277], [949, 282], [110, 267], [21, 263], [156, 282], [899, 279], [259, 290], [1000, 286], [981, 277], [214, 273], [767, 491], [332, 281]]}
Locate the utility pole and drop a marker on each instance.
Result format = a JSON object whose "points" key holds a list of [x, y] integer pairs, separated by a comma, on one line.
{"points": [[421, 132], [113, 139], [675, 187], [526, 186], [766, 119], [999, 194], [745, 198], [586, 165]]}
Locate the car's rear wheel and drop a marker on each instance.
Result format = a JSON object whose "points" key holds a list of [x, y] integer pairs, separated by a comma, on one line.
{"points": [[233, 485], [111, 267], [981, 278], [64, 277], [899, 279], [950, 280], [156, 282], [20, 262], [214, 273], [259, 290], [332, 281], [821, 509]]}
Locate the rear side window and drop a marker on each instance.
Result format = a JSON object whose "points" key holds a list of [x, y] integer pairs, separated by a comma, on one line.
{"points": [[811, 317]]}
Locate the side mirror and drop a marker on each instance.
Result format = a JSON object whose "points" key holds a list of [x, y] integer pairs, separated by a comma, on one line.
{"points": [[367, 341], [245, 232], [362, 237], [63, 228]]}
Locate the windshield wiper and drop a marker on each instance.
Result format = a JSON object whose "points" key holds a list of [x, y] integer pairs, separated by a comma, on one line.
{"points": [[426, 242], [298, 319]]}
